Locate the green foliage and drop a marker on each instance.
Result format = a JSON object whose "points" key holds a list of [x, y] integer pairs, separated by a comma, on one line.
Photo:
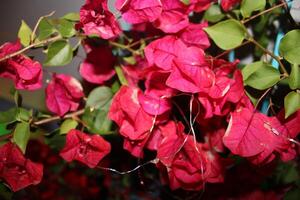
{"points": [[121, 76], [67, 125], [99, 97], [95, 115], [291, 103], [46, 29], [21, 135], [290, 46], [260, 75], [213, 14], [24, 34], [249, 6], [227, 34], [72, 16], [6, 118], [66, 28], [59, 53], [294, 78]]}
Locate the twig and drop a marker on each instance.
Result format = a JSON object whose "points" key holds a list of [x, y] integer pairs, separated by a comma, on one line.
{"points": [[37, 25], [55, 118], [285, 73], [263, 12], [58, 37], [122, 46], [227, 51]]}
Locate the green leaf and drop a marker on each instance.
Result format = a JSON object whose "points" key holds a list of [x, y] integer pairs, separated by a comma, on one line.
{"points": [[24, 34], [97, 120], [73, 16], [46, 29], [121, 75], [98, 104], [4, 130], [23, 115], [213, 14], [248, 6], [227, 34], [291, 103], [59, 53], [21, 135], [294, 78], [66, 28], [8, 116], [265, 76], [99, 97], [290, 46], [67, 125], [249, 69]]}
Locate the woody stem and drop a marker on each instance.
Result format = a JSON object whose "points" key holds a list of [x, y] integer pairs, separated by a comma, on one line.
{"points": [[43, 42], [55, 118]]}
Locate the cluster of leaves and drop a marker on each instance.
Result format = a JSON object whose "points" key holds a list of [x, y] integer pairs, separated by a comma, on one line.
{"points": [[162, 86]]}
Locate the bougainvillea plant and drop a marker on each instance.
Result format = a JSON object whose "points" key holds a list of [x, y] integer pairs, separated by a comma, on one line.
{"points": [[193, 99]]}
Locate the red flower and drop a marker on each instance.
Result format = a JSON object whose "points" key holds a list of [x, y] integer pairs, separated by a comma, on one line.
{"points": [[137, 126], [16, 170], [228, 4], [95, 18], [26, 73], [161, 52], [139, 11], [98, 66], [84, 148], [63, 94], [173, 17], [184, 162], [194, 35], [257, 137]]}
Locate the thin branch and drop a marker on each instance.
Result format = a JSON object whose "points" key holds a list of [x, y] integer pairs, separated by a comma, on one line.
{"points": [[285, 73], [43, 42], [55, 118], [122, 46], [37, 25], [263, 12], [227, 51]]}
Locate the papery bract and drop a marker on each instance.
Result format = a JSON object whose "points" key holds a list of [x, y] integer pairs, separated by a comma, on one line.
{"points": [[96, 19], [228, 4], [25, 72], [194, 35], [173, 17], [161, 52], [16, 170], [190, 73], [135, 124], [139, 11], [256, 136], [87, 149], [187, 165], [98, 66], [63, 94]]}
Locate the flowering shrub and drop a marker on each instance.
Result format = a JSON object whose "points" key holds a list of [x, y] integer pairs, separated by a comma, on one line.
{"points": [[166, 89]]}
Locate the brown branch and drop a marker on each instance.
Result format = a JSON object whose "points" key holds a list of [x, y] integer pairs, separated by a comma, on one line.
{"points": [[43, 42], [263, 12], [55, 118], [227, 51], [285, 73], [37, 25]]}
